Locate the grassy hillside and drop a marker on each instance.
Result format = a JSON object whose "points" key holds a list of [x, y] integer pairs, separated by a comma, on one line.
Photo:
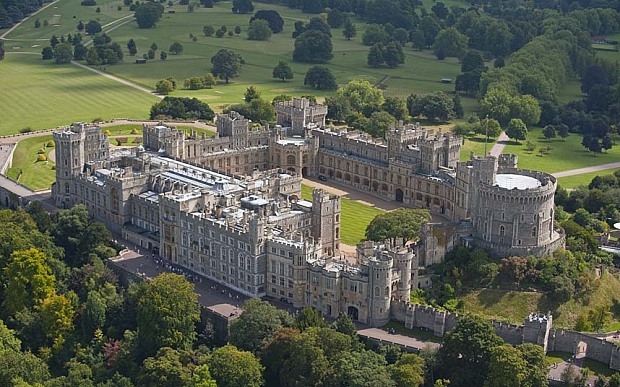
{"points": [[583, 179], [515, 306]]}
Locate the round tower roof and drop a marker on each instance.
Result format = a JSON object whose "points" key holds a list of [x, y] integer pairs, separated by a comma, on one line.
{"points": [[511, 181]]}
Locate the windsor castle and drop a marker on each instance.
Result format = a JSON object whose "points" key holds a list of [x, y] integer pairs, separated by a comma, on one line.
{"points": [[229, 207]]}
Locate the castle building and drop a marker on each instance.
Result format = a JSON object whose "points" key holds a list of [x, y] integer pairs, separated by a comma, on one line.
{"points": [[229, 207]]}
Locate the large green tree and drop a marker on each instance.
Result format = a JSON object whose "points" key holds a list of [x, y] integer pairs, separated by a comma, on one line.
{"points": [[320, 78], [259, 30], [168, 368], [282, 71], [242, 6], [403, 224], [231, 367], [275, 351], [63, 53], [148, 13], [226, 64], [258, 322], [167, 311], [451, 42], [27, 281], [516, 130], [362, 96], [466, 352], [313, 46], [507, 368]]}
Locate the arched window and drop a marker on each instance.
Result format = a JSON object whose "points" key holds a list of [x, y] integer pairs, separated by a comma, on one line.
{"points": [[502, 230], [377, 291], [387, 290], [534, 231], [290, 159]]}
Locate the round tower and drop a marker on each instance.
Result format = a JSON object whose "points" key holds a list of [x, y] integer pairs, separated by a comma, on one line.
{"points": [[380, 282], [403, 261]]}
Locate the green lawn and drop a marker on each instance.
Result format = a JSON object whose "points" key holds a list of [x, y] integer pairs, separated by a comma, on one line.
{"points": [[475, 144], [571, 91], [564, 155], [42, 95], [354, 217], [557, 357], [132, 140], [583, 179], [515, 306], [37, 175]]}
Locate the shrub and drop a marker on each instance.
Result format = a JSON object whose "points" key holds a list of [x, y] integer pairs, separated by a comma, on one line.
{"points": [[41, 151], [97, 120], [134, 131], [107, 132], [41, 158], [27, 129], [50, 144]]}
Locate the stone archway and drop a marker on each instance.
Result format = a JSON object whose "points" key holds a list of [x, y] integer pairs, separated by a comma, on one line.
{"points": [[399, 195], [353, 312], [304, 171]]}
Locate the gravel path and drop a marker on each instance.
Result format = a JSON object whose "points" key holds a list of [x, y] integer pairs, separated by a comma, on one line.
{"points": [[580, 171], [498, 147]]}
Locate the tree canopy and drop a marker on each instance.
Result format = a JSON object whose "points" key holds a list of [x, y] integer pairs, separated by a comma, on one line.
{"points": [[403, 224], [276, 23], [320, 78], [313, 47], [258, 322], [226, 64], [282, 71], [148, 13]]}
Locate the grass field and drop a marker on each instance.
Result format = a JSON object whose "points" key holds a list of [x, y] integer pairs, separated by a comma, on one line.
{"points": [[475, 144], [414, 332], [42, 95], [571, 91], [564, 155], [583, 179], [36, 175], [354, 217], [515, 306]]}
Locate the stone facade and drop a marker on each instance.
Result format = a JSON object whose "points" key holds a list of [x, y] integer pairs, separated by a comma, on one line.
{"points": [[229, 207]]}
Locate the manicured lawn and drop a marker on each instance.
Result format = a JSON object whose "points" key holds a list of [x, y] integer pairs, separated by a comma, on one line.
{"points": [[40, 94], [36, 175], [583, 179], [132, 140], [571, 91], [475, 144], [557, 357], [564, 155], [354, 217], [515, 306]]}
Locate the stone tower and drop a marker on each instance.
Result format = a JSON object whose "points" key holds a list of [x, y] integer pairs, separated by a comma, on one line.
{"points": [[380, 286], [536, 329], [74, 146], [403, 261], [326, 221], [235, 126]]}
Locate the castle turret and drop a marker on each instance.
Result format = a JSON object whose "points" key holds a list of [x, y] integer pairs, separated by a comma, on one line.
{"points": [[403, 261], [326, 221], [380, 286], [536, 329]]}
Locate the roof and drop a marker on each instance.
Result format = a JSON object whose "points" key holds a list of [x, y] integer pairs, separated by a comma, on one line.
{"points": [[512, 181]]}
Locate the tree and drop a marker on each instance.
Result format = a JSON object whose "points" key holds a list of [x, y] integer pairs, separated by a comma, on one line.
{"points": [[307, 318], [549, 132], [516, 129], [472, 61], [393, 54], [176, 48], [537, 368], [63, 53], [607, 143], [151, 54], [24, 366], [360, 368], [182, 108], [2, 51], [231, 367], [275, 351], [362, 96], [396, 106], [335, 18], [437, 106], [451, 41], [418, 39], [525, 107], [349, 30], [93, 315], [430, 27], [408, 371], [148, 13], [379, 123], [374, 33], [595, 145], [202, 377], [242, 6], [257, 323], [498, 63], [169, 368], [259, 30], [320, 78], [237, 30], [276, 23], [159, 325], [344, 324], [305, 365], [131, 46], [27, 279], [163, 55], [496, 104], [250, 94], [92, 56], [92, 27], [403, 224], [466, 352], [375, 56], [208, 30], [226, 64], [313, 47], [506, 367], [311, 6], [282, 71], [56, 313]]}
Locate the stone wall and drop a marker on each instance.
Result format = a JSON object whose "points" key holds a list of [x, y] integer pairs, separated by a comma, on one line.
{"points": [[538, 332]]}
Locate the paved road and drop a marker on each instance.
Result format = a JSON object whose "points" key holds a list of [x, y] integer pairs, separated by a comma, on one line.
{"points": [[580, 171], [383, 336], [117, 79], [499, 145]]}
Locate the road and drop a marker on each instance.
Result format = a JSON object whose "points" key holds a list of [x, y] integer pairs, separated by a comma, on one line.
{"points": [[580, 171], [117, 79], [499, 145]]}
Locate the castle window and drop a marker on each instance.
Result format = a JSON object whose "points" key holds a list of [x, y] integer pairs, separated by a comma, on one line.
{"points": [[534, 231], [377, 291], [387, 290], [502, 230], [502, 216], [519, 242]]}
